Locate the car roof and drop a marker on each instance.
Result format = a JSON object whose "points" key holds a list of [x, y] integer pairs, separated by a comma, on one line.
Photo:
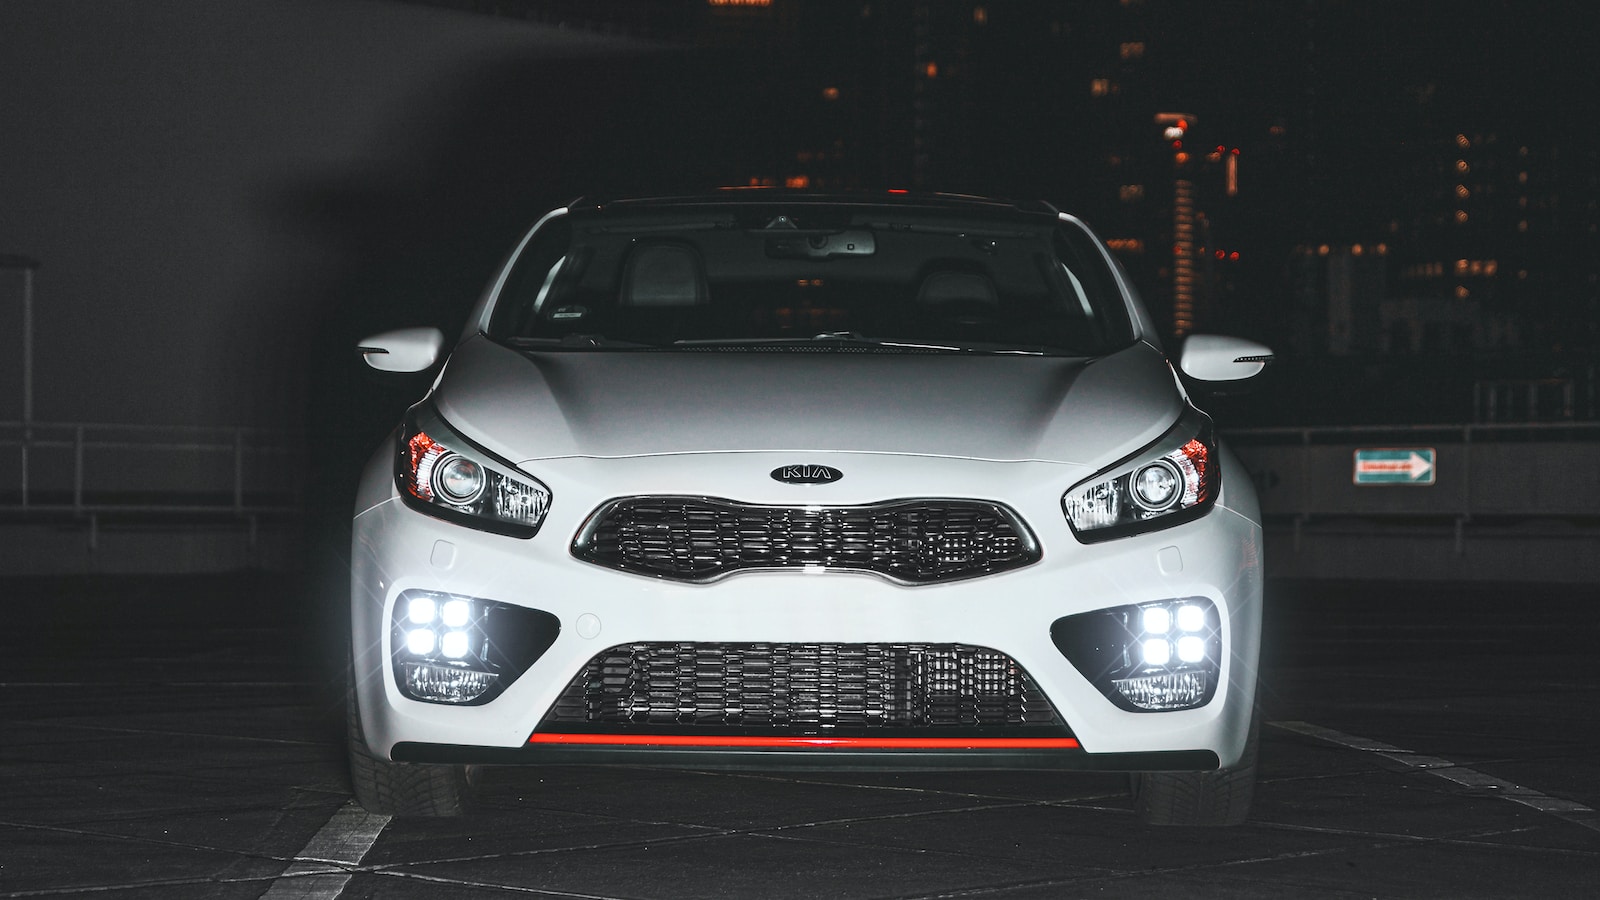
{"points": [[771, 196]]}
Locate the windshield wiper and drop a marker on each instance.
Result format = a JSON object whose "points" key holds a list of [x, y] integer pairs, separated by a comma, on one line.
{"points": [[854, 339], [577, 342]]}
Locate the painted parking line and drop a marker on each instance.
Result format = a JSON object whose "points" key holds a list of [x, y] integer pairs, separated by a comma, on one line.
{"points": [[321, 870], [1573, 811]]}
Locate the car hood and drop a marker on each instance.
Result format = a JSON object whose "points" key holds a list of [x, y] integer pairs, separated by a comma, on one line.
{"points": [[612, 404]]}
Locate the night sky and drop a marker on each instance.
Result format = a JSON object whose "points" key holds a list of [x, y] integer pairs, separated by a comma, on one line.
{"points": [[224, 197]]}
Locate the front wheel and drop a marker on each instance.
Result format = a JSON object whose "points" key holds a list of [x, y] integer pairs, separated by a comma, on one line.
{"points": [[1215, 798], [400, 789]]}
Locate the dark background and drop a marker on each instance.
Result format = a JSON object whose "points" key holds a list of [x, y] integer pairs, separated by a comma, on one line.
{"points": [[223, 198]]}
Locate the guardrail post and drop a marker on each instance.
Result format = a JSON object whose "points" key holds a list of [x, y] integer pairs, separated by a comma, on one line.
{"points": [[27, 438], [238, 474], [27, 265], [1466, 489], [1305, 486], [77, 470]]}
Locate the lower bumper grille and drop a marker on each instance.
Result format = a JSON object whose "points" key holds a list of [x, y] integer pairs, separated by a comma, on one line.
{"points": [[700, 539], [805, 689]]}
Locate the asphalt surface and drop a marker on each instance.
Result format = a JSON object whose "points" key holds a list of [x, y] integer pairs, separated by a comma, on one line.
{"points": [[181, 737]]}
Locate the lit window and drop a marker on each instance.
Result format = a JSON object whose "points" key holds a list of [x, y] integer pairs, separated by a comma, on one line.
{"points": [[1461, 217], [1100, 87], [1522, 178], [931, 70], [1523, 225], [1130, 193], [1131, 50], [1462, 192], [1461, 292], [797, 181], [830, 93], [1462, 167], [980, 15], [1462, 142]]}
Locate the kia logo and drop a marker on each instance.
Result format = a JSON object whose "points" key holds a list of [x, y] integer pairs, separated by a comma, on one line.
{"points": [[807, 474]]}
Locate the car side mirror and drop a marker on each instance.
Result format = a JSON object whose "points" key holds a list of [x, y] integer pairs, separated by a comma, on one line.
{"points": [[403, 350], [1210, 358]]}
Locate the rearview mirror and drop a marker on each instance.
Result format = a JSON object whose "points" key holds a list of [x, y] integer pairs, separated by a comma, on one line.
{"points": [[1213, 357], [403, 350], [822, 245]]}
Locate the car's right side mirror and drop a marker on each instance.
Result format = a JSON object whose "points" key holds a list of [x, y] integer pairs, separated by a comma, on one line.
{"points": [[1222, 364], [403, 350]]}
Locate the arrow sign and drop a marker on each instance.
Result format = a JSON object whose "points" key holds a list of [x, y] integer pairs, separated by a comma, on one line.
{"points": [[1395, 465]]}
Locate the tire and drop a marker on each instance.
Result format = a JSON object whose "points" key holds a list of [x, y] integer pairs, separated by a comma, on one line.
{"points": [[401, 789], [1220, 798]]}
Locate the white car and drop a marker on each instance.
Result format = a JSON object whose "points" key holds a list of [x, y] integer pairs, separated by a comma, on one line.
{"points": [[765, 479]]}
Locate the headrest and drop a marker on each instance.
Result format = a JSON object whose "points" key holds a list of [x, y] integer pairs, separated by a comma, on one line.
{"points": [[664, 275], [941, 288]]}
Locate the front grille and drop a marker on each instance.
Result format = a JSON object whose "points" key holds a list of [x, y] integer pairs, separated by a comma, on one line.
{"points": [[700, 539], [805, 689]]}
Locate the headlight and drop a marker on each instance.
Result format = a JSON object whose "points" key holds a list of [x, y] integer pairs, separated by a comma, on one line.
{"points": [[1170, 482], [442, 474]]}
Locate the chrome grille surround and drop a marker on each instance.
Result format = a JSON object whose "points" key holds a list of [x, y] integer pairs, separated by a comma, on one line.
{"points": [[705, 538], [804, 689]]}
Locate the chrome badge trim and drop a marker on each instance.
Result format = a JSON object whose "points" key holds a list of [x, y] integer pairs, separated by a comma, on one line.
{"points": [[806, 474]]}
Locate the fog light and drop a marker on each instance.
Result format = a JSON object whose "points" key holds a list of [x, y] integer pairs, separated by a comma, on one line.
{"points": [[1157, 652], [420, 610], [1190, 649], [1173, 690], [452, 649], [1156, 620], [1191, 618], [420, 641], [455, 644], [446, 684], [457, 613], [1149, 657]]}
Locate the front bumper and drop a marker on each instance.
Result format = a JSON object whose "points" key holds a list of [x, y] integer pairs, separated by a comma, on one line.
{"points": [[397, 549]]}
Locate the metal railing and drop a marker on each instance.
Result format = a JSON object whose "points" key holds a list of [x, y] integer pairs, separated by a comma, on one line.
{"points": [[83, 470], [1502, 474]]}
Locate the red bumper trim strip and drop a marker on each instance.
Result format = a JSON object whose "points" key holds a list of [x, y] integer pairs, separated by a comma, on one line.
{"points": [[808, 741]]}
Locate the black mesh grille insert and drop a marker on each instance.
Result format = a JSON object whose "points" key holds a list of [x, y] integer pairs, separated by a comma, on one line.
{"points": [[699, 539], [801, 689]]}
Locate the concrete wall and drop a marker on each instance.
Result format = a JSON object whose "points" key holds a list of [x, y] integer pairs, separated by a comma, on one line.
{"points": [[1506, 505]]}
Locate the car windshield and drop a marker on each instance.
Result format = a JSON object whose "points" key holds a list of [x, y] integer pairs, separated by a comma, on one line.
{"points": [[811, 277]]}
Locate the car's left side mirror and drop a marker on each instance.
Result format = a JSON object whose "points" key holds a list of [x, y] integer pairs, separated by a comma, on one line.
{"points": [[403, 350], [1212, 358]]}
